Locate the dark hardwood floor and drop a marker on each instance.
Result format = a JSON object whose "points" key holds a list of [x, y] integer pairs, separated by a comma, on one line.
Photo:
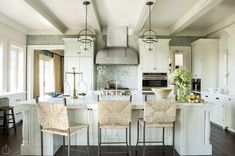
{"points": [[222, 142]]}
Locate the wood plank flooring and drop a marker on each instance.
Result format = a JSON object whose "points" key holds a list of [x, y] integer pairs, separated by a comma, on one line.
{"points": [[222, 142]]}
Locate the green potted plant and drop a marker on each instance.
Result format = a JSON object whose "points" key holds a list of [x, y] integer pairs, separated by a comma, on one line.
{"points": [[182, 79]]}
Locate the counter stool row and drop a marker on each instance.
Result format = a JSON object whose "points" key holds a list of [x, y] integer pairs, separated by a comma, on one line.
{"points": [[112, 114]]}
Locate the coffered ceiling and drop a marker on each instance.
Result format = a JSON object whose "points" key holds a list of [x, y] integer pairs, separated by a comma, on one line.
{"points": [[169, 17]]}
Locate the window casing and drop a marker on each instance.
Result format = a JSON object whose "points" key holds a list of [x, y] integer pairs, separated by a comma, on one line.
{"points": [[1, 65], [16, 68]]}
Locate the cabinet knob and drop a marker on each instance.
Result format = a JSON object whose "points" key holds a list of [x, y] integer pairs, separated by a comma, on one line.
{"points": [[154, 68], [217, 98], [206, 95], [78, 52]]}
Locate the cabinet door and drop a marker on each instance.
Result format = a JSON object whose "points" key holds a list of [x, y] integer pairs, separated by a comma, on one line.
{"points": [[73, 48], [86, 67], [148, 60], [162, 55], [196, 60], [69, 63]]}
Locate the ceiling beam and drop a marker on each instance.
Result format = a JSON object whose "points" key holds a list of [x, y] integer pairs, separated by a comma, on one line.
{"points": [[93, 15], [143, 17], [220, 25], [46, 13], [13, 24], [198, 10]]}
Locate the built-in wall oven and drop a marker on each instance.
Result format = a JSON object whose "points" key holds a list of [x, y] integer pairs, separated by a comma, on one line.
{"points": [[150, 80]]}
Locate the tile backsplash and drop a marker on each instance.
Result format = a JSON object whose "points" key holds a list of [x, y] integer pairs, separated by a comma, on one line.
{"points": [[125, 75]]}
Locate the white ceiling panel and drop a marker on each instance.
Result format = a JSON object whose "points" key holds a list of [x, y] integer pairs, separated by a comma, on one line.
{"points": [[70, 12], [119, 12], [22, 13], [217, 14], [166, 12]]}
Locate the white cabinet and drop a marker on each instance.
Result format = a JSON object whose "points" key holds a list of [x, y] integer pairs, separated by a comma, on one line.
{"points": [[220, 109], [156, 60], [83, 61], [205, 53], [73, 48], [86, 80]]}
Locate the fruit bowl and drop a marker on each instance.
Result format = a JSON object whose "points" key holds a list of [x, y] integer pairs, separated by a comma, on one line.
{"points": [[162, 92]]}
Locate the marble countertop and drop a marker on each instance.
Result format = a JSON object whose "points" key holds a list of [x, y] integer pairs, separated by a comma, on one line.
{"points": [[91, 101]]}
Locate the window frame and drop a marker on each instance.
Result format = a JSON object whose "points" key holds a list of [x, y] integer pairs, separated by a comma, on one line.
{"points": [[4, 65], [10, 44]]}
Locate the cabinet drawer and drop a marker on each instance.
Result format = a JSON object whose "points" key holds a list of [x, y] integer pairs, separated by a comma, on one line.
{"points": [[16, 98]]}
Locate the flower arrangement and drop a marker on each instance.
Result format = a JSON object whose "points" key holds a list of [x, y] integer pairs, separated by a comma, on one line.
{"points": [[182, 79]]}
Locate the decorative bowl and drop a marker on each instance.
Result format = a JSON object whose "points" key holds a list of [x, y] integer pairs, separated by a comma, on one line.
{"points": [[162, 92]]}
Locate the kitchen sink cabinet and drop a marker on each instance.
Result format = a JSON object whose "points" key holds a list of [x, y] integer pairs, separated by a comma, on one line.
{"points": [[205, 57], [156, 60]]}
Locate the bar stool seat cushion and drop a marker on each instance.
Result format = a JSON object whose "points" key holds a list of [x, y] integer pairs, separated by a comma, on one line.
{"points": [[6, 108], [74, 128], [156, 124]]}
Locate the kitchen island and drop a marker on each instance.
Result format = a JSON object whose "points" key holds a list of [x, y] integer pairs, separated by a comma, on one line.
{"points": [[192, 133]]}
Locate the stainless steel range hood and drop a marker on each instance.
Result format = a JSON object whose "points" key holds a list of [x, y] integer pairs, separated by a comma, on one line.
{"points": [[117, 51]]}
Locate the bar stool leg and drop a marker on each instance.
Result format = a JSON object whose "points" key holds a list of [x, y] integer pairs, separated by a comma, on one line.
{"points": [[68, 142], [144, 139], [127, 146], [163, 139], [88, 144], [130, 140], [6, 122], [41, 141], [63, 144], [13, 117], [99, 139], [173, 131], [137, 143]]}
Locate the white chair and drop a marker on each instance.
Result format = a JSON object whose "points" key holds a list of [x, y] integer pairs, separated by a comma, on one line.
{"points": [[157, 114], [114, 114], [53, 118]]}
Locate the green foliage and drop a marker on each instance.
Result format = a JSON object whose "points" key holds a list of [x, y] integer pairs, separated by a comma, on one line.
{"points": [[181, 78]]}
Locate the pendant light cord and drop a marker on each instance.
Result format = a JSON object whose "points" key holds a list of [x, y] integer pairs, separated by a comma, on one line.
{"points": [[86, 28]]}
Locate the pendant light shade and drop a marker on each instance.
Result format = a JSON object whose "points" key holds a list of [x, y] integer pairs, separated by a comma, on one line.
{"points": [[149, 36], [86, 36]]}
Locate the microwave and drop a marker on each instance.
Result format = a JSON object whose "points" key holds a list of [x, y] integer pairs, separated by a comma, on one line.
{"points": [[153, 80]]}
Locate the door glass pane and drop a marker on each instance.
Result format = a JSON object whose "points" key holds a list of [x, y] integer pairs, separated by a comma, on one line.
{"points": [[179, 59], [20, 66]]}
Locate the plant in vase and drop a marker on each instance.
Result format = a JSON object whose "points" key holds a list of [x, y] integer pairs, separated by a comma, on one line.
{"points": [[182, 80]]}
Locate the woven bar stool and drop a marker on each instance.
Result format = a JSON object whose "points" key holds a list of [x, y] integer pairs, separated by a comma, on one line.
{"points": [[53, 118], [114, 114], [8, 115], [157, 114]]}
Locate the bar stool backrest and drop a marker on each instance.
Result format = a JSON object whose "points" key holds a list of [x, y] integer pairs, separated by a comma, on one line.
{"points": [[160, 111], [113, 112], [4, 102], [52, 116]]}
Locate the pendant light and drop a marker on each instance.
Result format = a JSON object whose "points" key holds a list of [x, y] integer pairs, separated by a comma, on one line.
{"points": [[149, 36], [86, 36]]}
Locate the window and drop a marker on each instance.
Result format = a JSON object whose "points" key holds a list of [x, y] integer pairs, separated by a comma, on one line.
{"points": [[46, 75], [179, 59], [1, 66], [17, 68]]}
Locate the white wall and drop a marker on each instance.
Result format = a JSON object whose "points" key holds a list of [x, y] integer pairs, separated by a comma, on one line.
{"points": [[12, 34]]}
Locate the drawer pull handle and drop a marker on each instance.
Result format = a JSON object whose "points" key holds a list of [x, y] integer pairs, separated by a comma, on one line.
{"points": [[18, 113], [206, 95], [18, 99]]}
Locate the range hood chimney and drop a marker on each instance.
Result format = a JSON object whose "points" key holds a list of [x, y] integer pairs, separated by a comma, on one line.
{"points": [[117, 51]]}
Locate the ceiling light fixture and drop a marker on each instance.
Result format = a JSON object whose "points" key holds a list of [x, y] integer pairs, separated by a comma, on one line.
{"points": [[86, 36], [149, 36]]}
